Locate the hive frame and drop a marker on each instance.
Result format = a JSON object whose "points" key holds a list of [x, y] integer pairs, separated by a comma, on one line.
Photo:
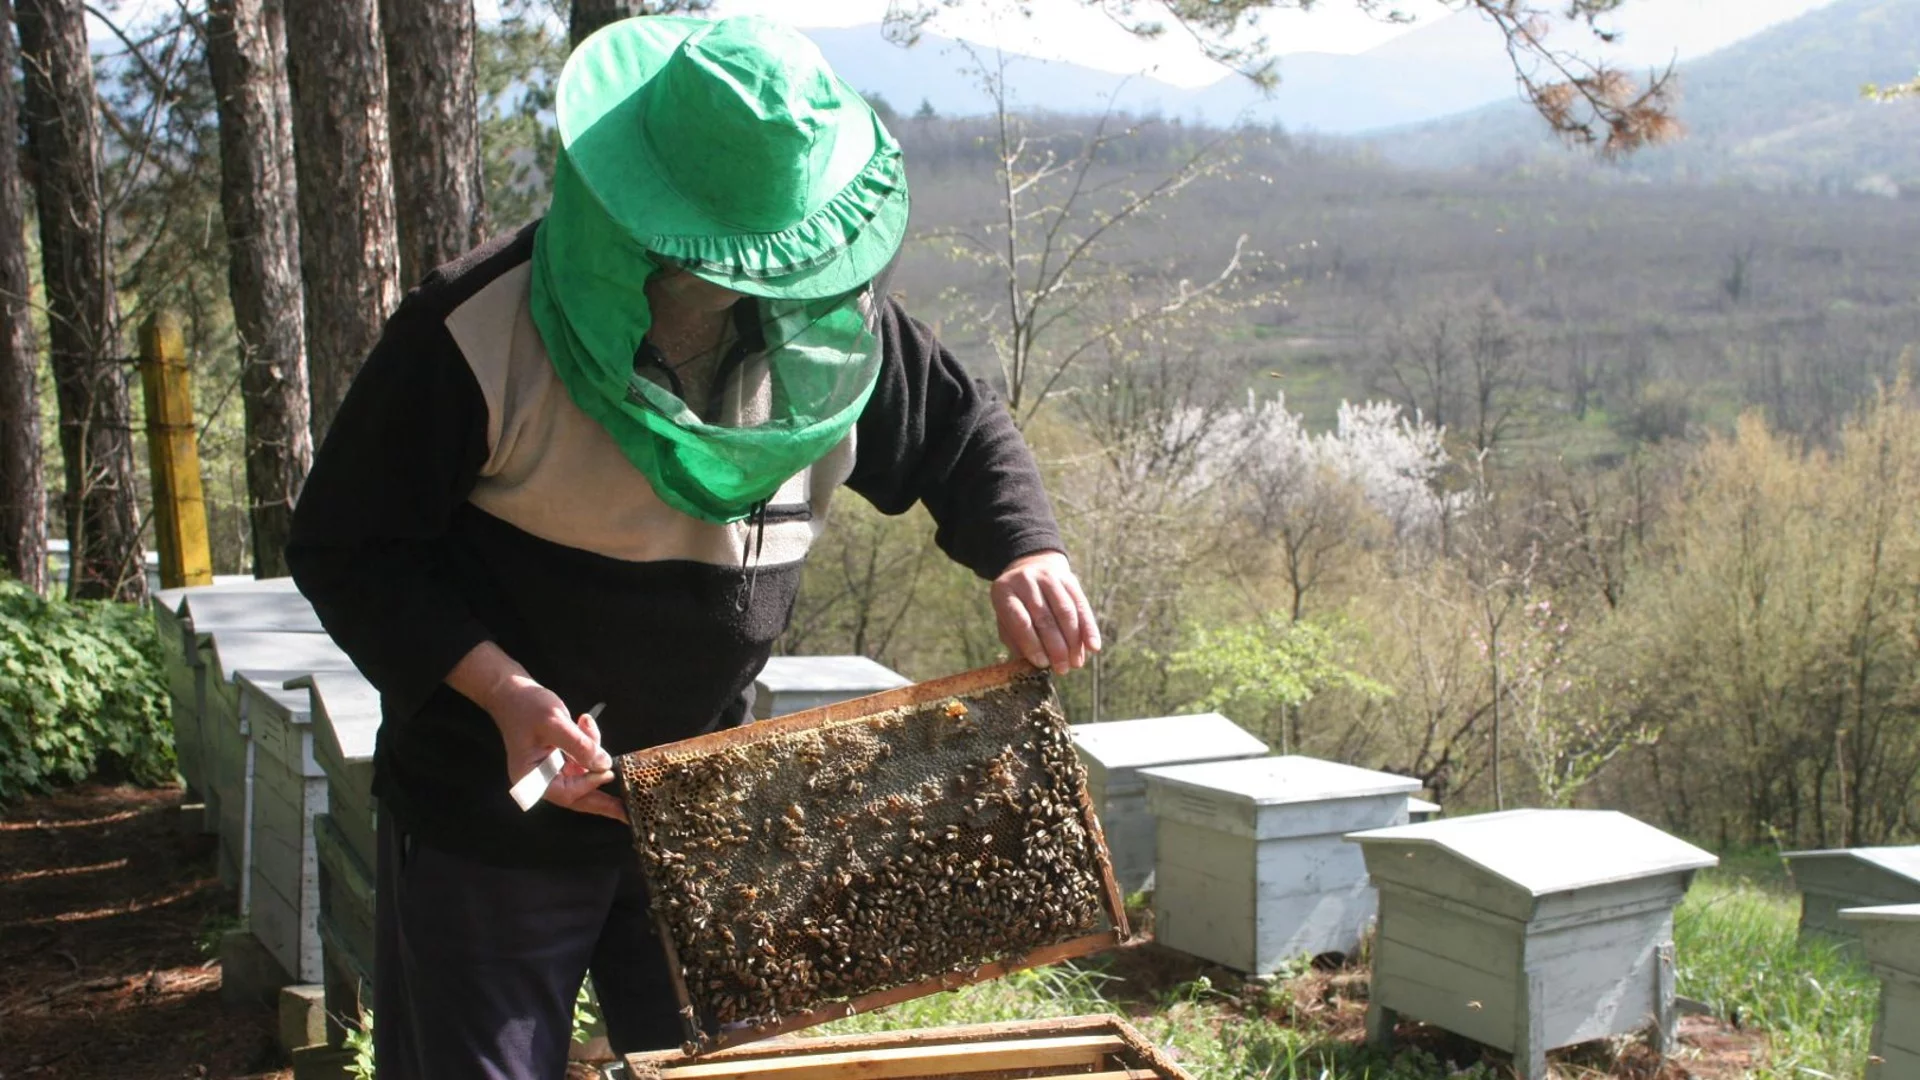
{"points": [[843, 712]]}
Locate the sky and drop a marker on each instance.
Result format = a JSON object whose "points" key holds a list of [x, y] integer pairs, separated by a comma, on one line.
{"points": [[1657, 30]]}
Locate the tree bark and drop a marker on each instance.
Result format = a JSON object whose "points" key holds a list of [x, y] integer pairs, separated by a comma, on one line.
{"points": [[434, 123], [263, 267], [23, 486], [348, 259], [90, 379]]}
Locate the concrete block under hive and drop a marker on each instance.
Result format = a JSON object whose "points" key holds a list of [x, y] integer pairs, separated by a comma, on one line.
{"points": [[1840, 878], [1890, 936], [1083, 1047], [1115, 751], [791, 684], [1528, 930], [1253, 870], [849, 857]]}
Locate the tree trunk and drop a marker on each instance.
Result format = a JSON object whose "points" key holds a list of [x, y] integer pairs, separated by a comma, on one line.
{"points": [[63, 135], [263, 267], [439, 194], [23, 489], [348, 259]]}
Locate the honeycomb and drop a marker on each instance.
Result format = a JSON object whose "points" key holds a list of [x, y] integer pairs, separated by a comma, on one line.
{"points": [[794, 866]]}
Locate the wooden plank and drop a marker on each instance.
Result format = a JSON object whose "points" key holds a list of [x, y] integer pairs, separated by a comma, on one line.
{"points": [[1603, 903], [1299, 866], [1607, 991], [1469, 942], [1489, 1022], [1288, 927], [1190, 849], [1205, 916], [897, 1063], [1432, 870]]}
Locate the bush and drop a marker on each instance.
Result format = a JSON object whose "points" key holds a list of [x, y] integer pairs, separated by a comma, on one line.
{"points": [[81, 693]]}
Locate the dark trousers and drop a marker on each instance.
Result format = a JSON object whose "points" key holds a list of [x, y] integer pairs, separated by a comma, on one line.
{"points": [[476, 967]]}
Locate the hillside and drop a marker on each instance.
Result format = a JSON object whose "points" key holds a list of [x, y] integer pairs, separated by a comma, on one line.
{"points": [[1781, 109]]}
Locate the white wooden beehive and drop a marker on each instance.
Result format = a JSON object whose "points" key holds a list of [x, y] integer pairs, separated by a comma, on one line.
{"points": [[182, 658], [346, 721], [789, 684], [1528, 930], [1851, 878], [1115, 751], [1890, 935], [270, 658], [289, 791], [1251, 870]]}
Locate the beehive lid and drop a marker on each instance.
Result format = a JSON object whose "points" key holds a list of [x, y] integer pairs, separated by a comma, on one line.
{"points": [[1119, 749], [217, 609], [826, 675], [1903, 862], [346, 712], [1550, 851], [1901, 913], [1417, 805], [295, 705], [269, 653], [1275, 781]]}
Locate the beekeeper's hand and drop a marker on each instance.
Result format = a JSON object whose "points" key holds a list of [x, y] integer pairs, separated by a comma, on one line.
{"points": [[533, 722], [1043, 613]]}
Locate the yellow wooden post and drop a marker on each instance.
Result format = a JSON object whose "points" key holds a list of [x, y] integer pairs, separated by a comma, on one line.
{"points": [[179, 507]]}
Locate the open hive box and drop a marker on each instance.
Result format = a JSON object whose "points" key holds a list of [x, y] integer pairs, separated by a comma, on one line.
{"points": [[1085, 1047], [868, 852]]}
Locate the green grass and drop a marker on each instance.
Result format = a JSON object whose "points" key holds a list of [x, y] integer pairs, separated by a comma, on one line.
{"points": [[1735, 950], [1735, 947]]}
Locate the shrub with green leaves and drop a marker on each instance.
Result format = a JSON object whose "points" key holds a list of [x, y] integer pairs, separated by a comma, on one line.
{"points": [[81, 692]]}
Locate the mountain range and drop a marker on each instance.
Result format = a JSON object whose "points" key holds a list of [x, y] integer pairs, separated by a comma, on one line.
{"points": [[1780, 107]]}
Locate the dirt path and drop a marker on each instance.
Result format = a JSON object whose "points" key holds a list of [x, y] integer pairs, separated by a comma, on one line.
{"points": [[108, 909]]}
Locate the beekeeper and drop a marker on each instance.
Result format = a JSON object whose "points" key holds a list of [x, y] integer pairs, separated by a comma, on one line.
{"points": [[584, 464]]}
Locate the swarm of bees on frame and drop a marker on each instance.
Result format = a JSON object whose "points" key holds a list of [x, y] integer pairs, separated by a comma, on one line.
{"points": [[817, 866]]}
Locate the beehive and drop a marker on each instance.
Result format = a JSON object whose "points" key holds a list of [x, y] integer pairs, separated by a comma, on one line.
{"points": [[1114, 752], [1527, 930], [1851, 878], [791, 684], [1890, 935], [270, 659], [860, 854], [1252, 871], [1084, 1047], [181, 657], [283, 888], [346, 719]]}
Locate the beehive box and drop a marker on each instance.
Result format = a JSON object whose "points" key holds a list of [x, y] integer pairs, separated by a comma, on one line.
{"points": [[1084, 1047], [1528, 930], [1890, 936], [182, 659], [270, 659], [272, 604], [1115, 751], [1851, 878], [1252, 870], [346, 719], [791, 684], [289, 790], [853, 856]]}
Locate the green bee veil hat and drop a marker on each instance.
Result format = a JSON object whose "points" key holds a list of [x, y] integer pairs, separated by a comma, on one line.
{"points": [[729, 150]]}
